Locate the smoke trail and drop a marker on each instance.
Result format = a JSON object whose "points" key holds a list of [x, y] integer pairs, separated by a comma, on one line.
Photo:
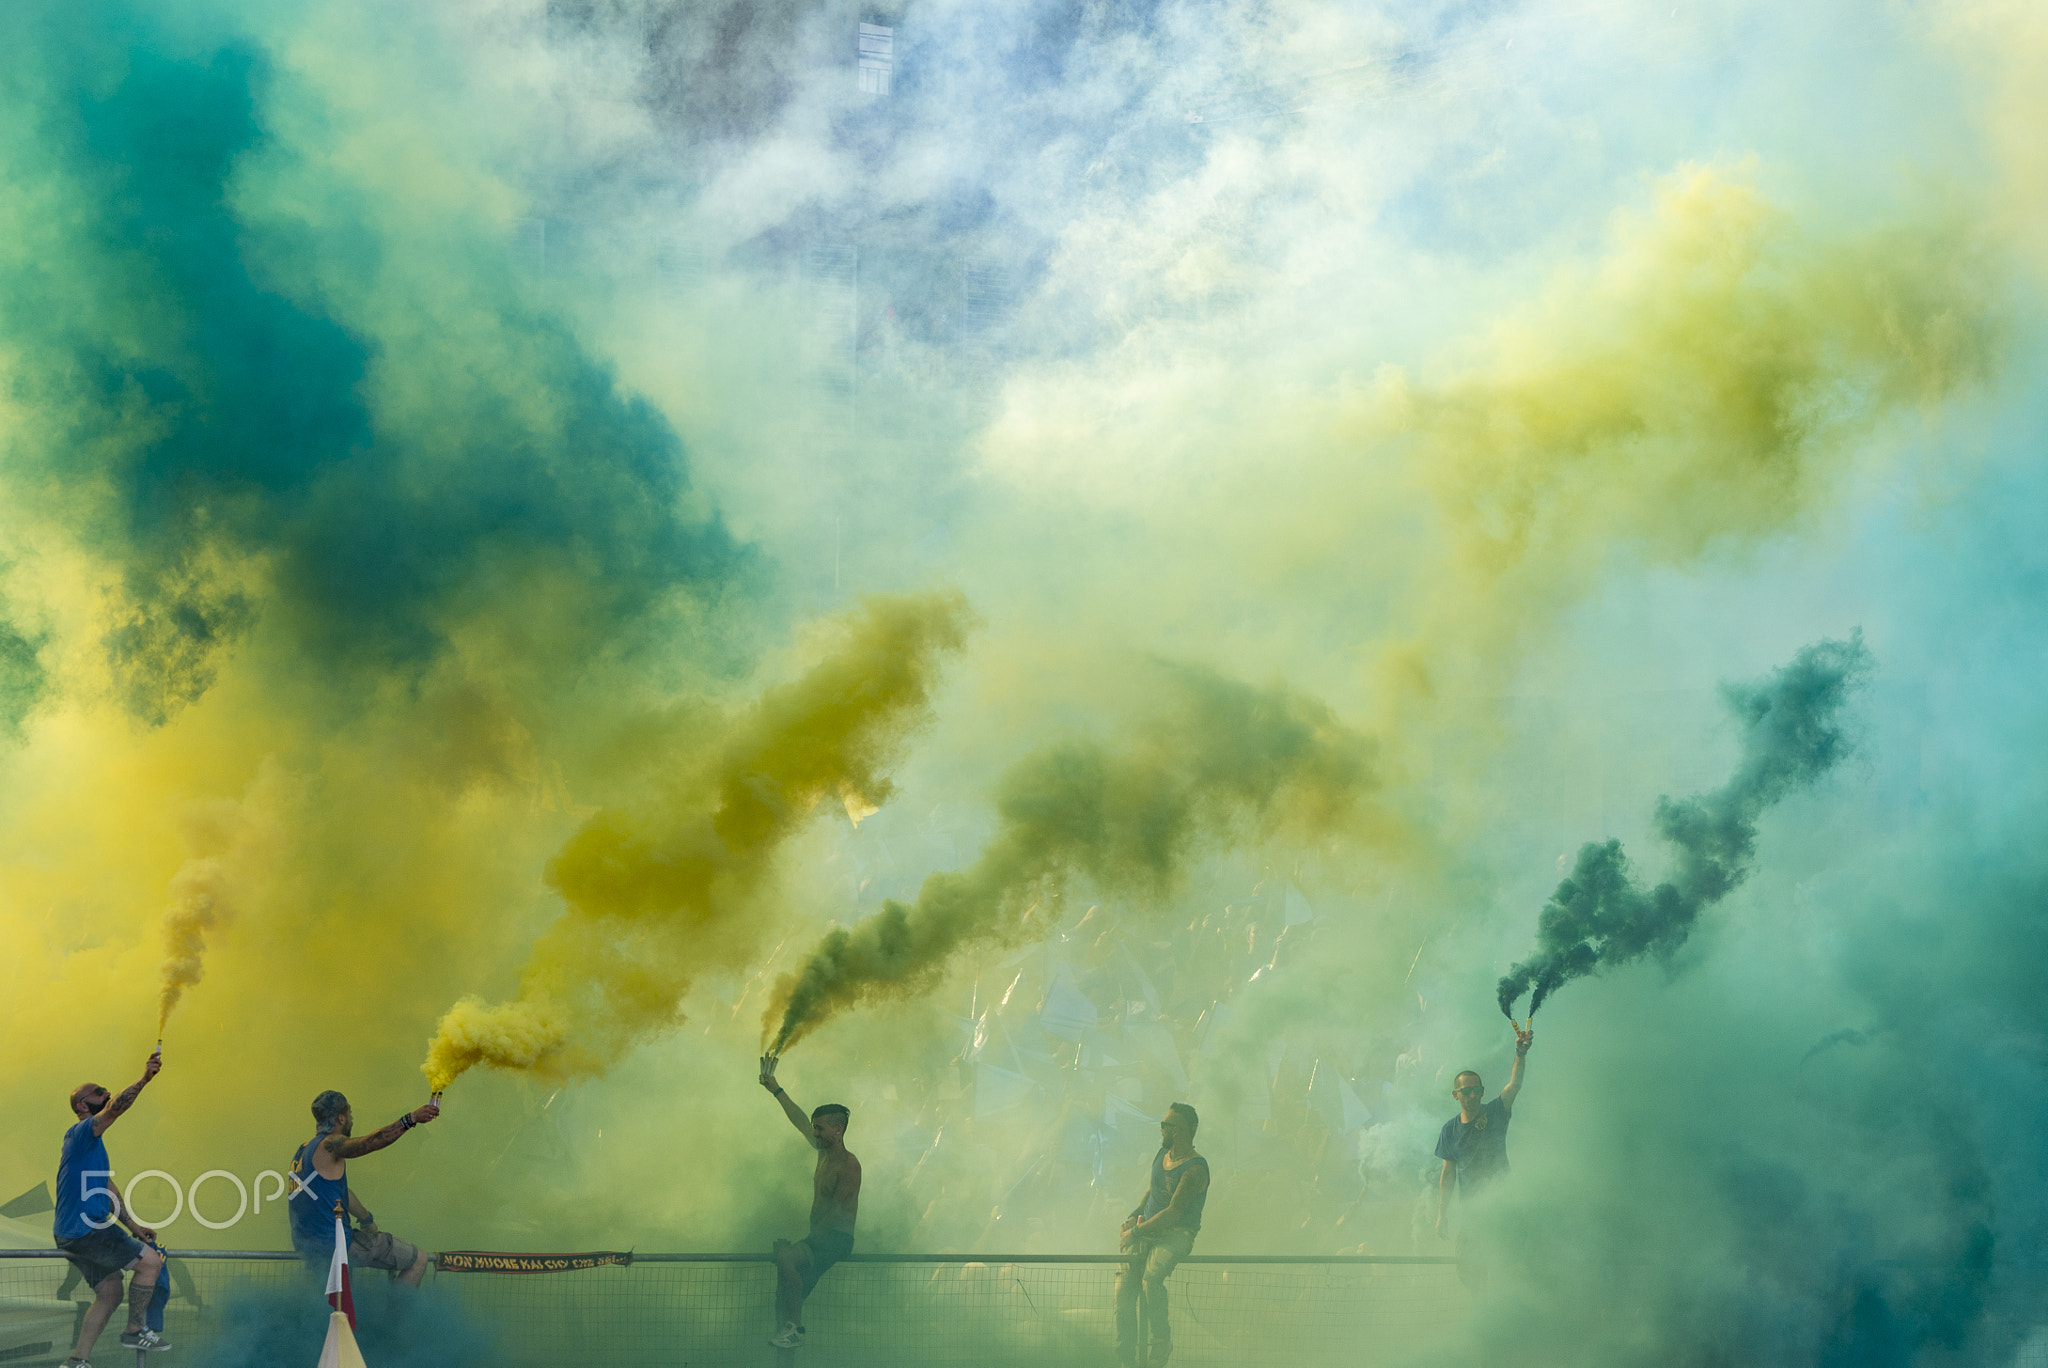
{"points": [[198, 905], [1221, 764], [208, 890], [1601, 916], [653, 896]]}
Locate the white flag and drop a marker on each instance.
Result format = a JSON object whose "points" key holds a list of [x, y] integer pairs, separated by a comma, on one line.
{"points": [[338, 1295]]}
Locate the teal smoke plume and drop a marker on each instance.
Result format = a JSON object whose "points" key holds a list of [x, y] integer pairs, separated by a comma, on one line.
{"points": [[1600, 916], [215, 395]]}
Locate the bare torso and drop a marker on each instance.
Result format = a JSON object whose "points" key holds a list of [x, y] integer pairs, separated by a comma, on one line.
{"points": [[835, 1190]]}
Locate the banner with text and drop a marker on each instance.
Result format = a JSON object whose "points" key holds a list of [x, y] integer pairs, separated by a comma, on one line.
{"points": [[481, 1261]]}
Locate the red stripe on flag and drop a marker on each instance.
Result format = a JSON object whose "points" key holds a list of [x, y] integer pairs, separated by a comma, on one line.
{"points": [[338, 1295]]}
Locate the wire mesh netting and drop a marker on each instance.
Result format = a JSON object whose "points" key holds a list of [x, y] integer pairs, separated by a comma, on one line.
{"points": [[707, 1312], [711, 1311]]}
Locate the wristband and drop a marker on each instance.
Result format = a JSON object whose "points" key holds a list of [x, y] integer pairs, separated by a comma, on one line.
{"points": [[778, 1090], [406, 1123]]}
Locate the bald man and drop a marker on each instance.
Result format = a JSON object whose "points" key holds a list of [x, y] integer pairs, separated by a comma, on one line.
{"points": [[88, 1211]]}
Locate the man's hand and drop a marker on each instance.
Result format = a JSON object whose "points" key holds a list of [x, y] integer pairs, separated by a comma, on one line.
{"points": [[1525, 1036], [153, 1067], [422, 1115], [788, 1104], [142, 1232]]}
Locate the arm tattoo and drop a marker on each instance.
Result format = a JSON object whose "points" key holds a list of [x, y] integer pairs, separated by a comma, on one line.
{"points": [[354, 1147], [113, 1109]]}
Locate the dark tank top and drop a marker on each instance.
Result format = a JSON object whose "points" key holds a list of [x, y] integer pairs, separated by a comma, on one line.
{"points": [[1166, 1181], [312, 1211]]}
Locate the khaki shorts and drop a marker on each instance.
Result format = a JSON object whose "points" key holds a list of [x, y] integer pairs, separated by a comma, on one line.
{"points": [[382, 1250]]}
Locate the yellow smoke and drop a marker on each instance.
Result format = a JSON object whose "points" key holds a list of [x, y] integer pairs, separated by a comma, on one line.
{"points": [[1220, 764], [198, 904], [239, 841], [654, 896], [1698, 390], [2001, 45]]}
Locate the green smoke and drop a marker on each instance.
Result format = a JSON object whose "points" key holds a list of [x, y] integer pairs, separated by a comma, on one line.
{"points": [[1600, 916], [221, 398], [1220, 764]]}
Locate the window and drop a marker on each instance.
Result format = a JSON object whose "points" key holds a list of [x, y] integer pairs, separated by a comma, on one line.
{"points": [[877, 57]]}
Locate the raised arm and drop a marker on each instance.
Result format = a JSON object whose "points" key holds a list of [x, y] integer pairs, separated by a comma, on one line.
{"points": [[797, 1116], [1524, 1038], [111, 1113], [356, 1146]]}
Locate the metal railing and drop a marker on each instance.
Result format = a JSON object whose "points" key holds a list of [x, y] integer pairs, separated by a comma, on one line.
{"points": [[709, 1309]]}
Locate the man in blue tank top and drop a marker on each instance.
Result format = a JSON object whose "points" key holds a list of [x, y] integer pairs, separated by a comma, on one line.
{"points": [[1160, 1232], [319, 1179], [89, 1208]]}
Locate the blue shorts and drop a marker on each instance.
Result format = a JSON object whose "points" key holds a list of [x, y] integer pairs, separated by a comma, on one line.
{"points": [[101, 1254]]}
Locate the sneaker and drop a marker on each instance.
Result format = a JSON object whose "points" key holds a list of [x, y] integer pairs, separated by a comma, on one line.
{"points": [[143, 1339], [75, 1362], [790, 1336]]}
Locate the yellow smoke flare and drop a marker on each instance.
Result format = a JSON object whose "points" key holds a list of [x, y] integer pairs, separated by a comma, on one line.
{"points": [[242, 838], [514, 1035], [655, 895], [198, 904]]}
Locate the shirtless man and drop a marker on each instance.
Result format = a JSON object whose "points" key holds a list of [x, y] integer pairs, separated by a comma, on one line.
{"points": [[835, 1199]]}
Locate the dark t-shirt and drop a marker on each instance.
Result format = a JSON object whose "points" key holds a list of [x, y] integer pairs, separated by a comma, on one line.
{"points": [[1478, 1151]]}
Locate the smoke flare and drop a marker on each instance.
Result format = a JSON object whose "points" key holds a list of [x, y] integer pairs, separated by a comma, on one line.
{"points": [[1601, 916], [198, 905], [235, 843], [1222, 763], [653, 896]]}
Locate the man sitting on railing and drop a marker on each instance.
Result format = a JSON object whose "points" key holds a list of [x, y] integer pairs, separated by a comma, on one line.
{"points": [[835, 1200], [320, 1180], [1160, 1232], [88, 1208]]}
